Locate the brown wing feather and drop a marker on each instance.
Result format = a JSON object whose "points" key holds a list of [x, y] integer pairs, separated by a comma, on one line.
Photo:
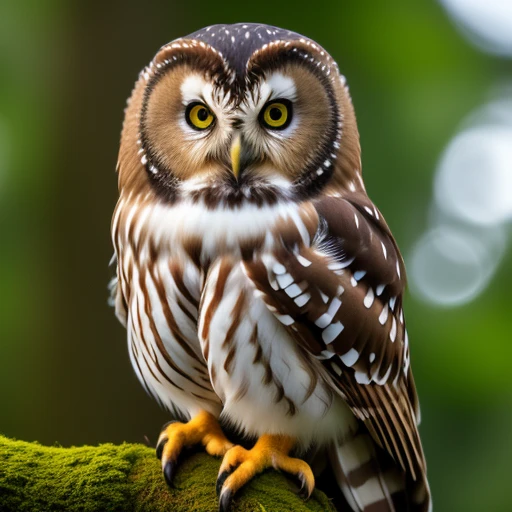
{"points": [[342, 299]]}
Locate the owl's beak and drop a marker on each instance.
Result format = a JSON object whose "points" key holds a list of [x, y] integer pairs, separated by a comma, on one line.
{"points": [[236, 153]]}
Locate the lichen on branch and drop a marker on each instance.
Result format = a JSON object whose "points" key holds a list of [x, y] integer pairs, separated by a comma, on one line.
{"points": [[128, 477]]}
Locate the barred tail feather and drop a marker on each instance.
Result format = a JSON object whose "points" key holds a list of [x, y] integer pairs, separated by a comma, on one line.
{"points": [[421, 500], [369, 479]]}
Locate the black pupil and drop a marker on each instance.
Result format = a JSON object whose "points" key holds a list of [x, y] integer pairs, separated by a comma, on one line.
{"points": [[202, 114], [275, 114]]}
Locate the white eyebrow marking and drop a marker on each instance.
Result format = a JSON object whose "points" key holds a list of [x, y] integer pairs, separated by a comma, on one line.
{"points": [[192, 88], [281, 86]]}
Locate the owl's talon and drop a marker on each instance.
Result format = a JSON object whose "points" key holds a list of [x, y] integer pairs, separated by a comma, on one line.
{"points": [[169, 470], [220, 481], [304, 491], [225, 501], [270, 451], [175, 436]]}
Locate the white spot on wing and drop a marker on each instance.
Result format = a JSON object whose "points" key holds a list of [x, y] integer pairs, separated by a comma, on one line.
{"points": [[350, 358], [278, 269], [384, 314], [293, 290], [302, 300], [368, 300], [392, 333], [334, 306], [303, 261], [326, 318], [325, 354], [384, 250], [284, 280], [362, 378], [285, 319], [359, 274], [331, 332], [323, 321]]}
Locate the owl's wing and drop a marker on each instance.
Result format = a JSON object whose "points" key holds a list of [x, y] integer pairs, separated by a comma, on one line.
{"points": [[342, 300]]}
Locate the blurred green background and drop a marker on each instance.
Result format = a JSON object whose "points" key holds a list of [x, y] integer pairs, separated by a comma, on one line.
{"points": [[66, 71]]}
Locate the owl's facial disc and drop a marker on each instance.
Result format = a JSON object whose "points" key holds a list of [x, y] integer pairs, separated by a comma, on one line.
{"points": [[273, 122], [248, 128], [289, 121]]}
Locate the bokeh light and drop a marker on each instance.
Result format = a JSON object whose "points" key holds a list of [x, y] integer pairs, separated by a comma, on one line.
{"points": [[456, 258], [474, 178], [451, 265], [487, 23]]}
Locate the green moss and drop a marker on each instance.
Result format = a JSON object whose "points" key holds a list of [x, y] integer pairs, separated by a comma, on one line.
{"points": [[126, 478]]}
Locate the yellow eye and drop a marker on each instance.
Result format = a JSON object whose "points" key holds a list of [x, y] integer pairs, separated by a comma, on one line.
{"points": [[199, 116], [277, 114]]}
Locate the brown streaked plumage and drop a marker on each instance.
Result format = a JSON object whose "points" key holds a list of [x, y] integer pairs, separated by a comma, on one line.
{"points": [[258, 283]]}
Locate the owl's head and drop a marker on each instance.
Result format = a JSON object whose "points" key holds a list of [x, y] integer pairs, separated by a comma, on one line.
{"points": [[242, 112]]}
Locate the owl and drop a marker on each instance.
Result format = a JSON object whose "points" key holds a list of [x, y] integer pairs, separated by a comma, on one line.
{"points": [[260, 287]]}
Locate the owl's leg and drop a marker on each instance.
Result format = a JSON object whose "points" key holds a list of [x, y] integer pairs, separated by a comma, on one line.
{"points": [[270, 451], [201, 429]]}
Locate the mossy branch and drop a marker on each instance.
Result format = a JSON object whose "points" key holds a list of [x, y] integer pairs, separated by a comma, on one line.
{"points": [[127, 478]]}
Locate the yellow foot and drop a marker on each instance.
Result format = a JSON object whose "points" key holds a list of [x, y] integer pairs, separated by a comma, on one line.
{"points": [[270, 451], [203, 428]]}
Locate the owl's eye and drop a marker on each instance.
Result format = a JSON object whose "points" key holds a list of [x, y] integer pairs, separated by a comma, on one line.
{"points": [[199, 116], [276, 114]]}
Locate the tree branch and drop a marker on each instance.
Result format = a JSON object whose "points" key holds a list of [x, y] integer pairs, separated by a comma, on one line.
{"points": [[127, 478]]}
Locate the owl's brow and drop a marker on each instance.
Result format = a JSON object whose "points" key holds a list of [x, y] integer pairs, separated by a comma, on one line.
{"points": [[252, 96]]}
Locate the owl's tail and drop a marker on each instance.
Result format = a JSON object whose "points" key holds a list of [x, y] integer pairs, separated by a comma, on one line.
{"points": [[371, 481]]}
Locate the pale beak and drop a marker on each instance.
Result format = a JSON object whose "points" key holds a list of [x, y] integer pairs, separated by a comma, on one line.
{"points": [[236, 153]]}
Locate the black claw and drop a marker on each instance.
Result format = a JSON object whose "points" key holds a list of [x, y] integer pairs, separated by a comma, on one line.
{"points": [[220, 481], [225, 501], [303, 491], [169, 469], [160, 447]]}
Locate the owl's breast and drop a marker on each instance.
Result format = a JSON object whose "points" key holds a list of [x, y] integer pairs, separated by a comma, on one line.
{"points": [[265, 379], [206, 232]]}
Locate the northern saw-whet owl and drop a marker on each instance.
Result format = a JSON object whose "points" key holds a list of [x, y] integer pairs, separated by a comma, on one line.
{"points": [[259, 285]]}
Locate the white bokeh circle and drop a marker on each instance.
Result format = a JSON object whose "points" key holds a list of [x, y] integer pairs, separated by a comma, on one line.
{"points": [[450, 266], [474, 178], [487, 23]]}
